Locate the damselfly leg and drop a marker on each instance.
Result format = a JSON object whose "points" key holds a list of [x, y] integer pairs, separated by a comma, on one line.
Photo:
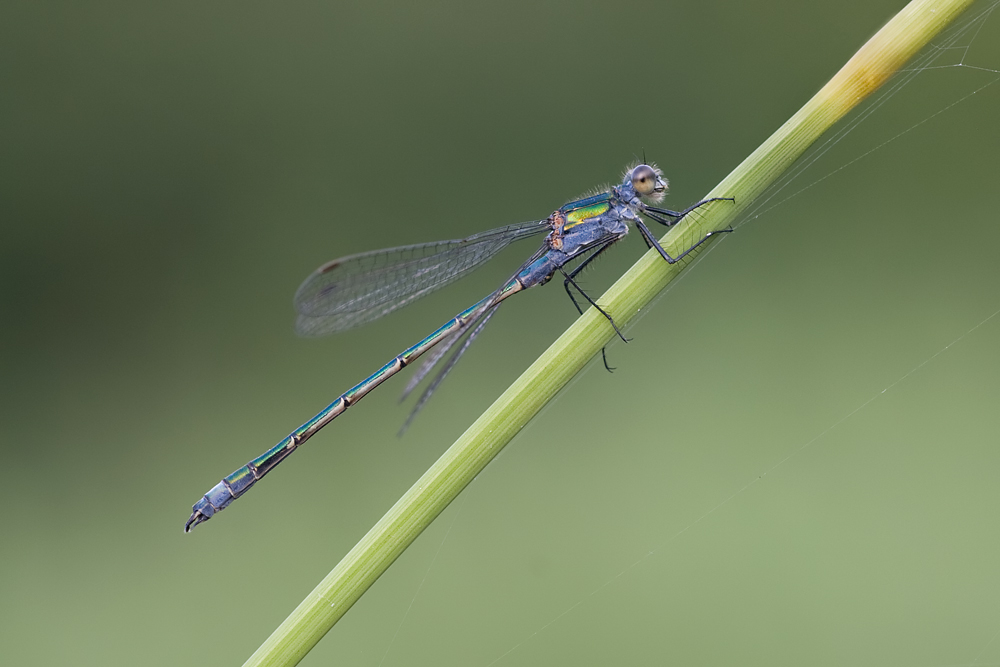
{"points": [[657, 215], [569, 281]]}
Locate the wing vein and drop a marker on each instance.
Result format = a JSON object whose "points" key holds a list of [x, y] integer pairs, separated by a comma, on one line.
{"points": [[358, 289]]}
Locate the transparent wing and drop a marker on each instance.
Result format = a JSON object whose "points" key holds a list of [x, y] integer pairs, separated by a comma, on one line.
{"points": [[479, 323], [357, 289]]}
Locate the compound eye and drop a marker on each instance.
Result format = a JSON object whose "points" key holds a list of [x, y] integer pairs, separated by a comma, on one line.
{"points": [[644, 180]]}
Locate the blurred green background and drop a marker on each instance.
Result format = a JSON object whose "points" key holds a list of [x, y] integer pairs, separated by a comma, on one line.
{"points": [[168, 176]]}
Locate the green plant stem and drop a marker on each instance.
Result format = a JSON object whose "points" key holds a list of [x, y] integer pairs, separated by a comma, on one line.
{"points": [[887, 51]]}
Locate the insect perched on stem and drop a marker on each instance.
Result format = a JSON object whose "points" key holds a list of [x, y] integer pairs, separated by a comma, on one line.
{"points": [[358, 289]]}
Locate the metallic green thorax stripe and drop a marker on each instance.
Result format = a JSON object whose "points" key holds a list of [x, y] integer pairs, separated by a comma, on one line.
{"points": [[581, 214], [583, 209]]}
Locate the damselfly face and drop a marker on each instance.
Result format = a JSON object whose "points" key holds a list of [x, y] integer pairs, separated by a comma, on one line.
{"points": [[647, 181]]}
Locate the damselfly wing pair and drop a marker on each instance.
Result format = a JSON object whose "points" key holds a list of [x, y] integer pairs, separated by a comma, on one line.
{"points": [[358, 289]]}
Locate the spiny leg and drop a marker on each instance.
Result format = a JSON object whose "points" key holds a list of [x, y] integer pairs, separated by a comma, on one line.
{"points": [[651, 240], [570, 281], [678, 215], [572, 274], [657, 214]]}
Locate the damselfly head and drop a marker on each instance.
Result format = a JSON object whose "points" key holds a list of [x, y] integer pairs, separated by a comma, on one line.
{"points": [[648, 182]]}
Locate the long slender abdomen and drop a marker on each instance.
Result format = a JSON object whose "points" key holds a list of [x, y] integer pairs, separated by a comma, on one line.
{"points": [[236, 484]]}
